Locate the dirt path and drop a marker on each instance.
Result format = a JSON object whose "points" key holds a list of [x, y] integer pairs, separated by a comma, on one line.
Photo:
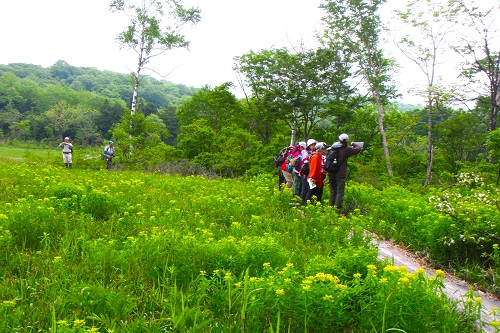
{"points": [[454, 288]]}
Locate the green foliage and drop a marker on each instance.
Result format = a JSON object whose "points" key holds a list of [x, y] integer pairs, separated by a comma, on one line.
{"points": [[301, 88], [192, 254], [141, 146], [28, 92], [218, 106], [457, 226]]}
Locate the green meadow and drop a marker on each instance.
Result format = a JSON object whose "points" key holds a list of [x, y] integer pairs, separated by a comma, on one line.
{"points": [[90, 250]]}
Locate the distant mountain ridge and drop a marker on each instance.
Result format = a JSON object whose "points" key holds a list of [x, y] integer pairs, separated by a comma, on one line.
{"points": [[108, 84]]}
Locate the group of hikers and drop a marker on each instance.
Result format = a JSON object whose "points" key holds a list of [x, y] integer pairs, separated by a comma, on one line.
{"points": [[67, 153], [303, 167]]}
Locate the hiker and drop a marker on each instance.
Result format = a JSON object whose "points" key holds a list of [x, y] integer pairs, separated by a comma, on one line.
{"points": [[297, 179], [338, 179], [109, 153], [316, 176], [67, 152], [306, 153], [287, 175]]}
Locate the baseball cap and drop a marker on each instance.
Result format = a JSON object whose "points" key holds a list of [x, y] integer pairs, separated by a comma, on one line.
{"points": [[321, 146], [343, 136]]}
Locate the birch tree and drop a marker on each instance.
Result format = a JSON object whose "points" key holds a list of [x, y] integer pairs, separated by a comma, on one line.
{"points": [[148, 35], [354, 25], [480, 51], [429, 24]]}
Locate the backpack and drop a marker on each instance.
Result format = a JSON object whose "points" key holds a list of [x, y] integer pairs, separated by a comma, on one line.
{"points": [[280, 158], [332, 160], [304, 169], [291, 162]]}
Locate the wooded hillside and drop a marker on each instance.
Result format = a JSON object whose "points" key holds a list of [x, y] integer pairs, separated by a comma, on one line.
{"points": [[39, 103]]}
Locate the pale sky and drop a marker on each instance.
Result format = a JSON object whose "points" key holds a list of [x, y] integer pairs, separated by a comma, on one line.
{"points": [[83, 33]]}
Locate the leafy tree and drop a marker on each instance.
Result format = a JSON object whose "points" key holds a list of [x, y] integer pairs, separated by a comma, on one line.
{"points": [[146, 139], [430, 23], [295, 87], [169, 117], [196, 142], [260, 121], [110, 113], [231, 152], [218, 106], [460, 139], [480, 52], [354, 26], [145, 34], [64, 72], [59, 118], [9, 116], [83, 123], [20, 129], [238, 153], [494, 147]]}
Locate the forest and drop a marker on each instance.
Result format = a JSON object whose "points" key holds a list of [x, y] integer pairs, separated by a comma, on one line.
{"points": [[289, 95]]}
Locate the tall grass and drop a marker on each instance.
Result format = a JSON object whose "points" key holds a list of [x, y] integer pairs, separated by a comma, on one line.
{"points": [[98, 251], [456, 227]]}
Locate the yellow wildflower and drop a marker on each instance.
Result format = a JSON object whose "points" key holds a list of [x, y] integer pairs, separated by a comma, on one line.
{"points": [[78, 323], [440, 274], [9, 303]]}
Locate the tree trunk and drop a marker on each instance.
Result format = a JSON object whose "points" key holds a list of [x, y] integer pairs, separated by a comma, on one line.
{"points": [[380, 118], [384, 140], [430, 145], [294, 134], [430, 160], [134, 94]]}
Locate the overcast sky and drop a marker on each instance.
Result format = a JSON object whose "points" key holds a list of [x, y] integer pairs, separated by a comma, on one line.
{"points": [[83, 33]]}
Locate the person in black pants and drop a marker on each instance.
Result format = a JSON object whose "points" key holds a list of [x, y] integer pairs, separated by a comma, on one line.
{"points": [[338, 179]]}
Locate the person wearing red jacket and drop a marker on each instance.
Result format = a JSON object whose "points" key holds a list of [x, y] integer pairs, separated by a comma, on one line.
{"points": [[316, 176]]}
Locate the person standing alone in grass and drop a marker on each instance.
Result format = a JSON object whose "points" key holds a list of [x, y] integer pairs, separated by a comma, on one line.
{"points": [[109, 153], [67, 151]]}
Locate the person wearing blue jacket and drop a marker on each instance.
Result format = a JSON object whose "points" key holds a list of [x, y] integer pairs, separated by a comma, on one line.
{"points": [[109, 153]]}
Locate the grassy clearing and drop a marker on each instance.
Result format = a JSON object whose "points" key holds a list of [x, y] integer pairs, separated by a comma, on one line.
{"points": [[98, 251]]}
